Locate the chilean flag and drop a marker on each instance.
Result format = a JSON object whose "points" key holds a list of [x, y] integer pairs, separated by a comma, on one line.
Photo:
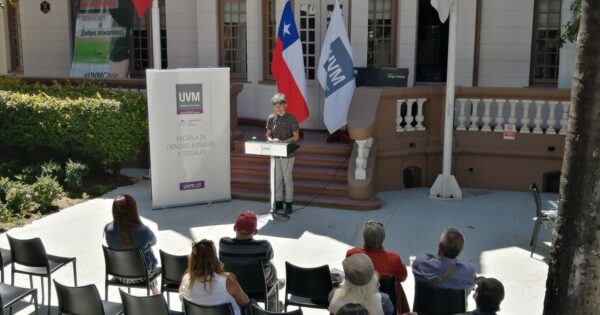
{"points": [[288, 65]]}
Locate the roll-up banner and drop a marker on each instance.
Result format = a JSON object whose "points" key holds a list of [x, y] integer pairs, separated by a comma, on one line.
{"points": [[188, 114]]}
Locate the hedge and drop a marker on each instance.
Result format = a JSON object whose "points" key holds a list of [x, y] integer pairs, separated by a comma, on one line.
{"points": [[101, 126]]}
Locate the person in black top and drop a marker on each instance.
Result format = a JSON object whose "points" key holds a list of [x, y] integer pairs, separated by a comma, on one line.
{"points": [[283, 127], [244, 247]]}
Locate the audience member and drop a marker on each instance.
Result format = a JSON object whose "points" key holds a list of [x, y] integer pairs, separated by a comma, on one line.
{"points": [[352, 309], [444, 270], [387, 264], [127, 231], [361, 285], [206, 283], [245, 248], [488, 296]]}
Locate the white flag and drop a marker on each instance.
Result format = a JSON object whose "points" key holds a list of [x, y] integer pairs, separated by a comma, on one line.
{"points": [[336, 72], [443, 8]]}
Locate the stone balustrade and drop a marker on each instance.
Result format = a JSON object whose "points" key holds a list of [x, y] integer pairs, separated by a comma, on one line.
{"points": [[409, 114]]}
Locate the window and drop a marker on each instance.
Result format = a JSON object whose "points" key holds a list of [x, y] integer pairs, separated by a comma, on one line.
{"points": [[269, 37], [141, 54], [308, 38], [232, 21], [381, 33], [546, 32], [14, 35]]}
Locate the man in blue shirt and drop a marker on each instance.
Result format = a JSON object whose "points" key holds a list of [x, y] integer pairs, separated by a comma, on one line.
{"points": [[444, 270]]}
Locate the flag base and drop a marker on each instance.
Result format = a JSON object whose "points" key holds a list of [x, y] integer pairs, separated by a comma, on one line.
{"points": [[445, 188]]}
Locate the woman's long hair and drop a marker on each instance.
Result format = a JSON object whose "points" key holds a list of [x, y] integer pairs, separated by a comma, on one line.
{"points": [[367, 295], [203, 264], [125, 218]]}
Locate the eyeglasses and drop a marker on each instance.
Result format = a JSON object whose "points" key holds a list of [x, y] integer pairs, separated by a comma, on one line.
{"points": [[203, 242]]}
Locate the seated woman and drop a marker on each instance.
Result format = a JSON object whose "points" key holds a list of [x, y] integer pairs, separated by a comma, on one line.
{"points": [[206, 283], [387, 263], [361, 285], [127, 231]]}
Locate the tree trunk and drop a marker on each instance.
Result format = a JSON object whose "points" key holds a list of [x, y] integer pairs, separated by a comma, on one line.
{"points": [[573, 285]]}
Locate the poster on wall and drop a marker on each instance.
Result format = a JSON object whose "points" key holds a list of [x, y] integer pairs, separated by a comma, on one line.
{"points": [[102, 39], [188, 115]]}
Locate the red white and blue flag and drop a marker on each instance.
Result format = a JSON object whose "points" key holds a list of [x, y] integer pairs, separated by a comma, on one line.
{"points": [[288, 65]]}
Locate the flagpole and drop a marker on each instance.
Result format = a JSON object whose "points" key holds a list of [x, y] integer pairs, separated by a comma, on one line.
{"points": [[156, 52], [445, 186]]}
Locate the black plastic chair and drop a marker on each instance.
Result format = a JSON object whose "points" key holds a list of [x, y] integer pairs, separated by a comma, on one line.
{"points": [[388, 285], [256, 310], [84, 300], [541, 216], [126, 264], [251, 276], [29, 257], [5, 260], [9, 295], [308, 287], [173, 268], [191, 308], [437, 301], [144, 305]]}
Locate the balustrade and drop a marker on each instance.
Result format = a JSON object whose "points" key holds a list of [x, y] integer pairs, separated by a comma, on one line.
{"points": [[488, 114], [409, 114]]}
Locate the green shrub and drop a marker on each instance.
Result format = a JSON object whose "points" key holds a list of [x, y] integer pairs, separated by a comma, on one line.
{"points": [[52, 169], [4, 186], [74, 173], [45, 190], [102, 127], [4, 213], [19, 198]]}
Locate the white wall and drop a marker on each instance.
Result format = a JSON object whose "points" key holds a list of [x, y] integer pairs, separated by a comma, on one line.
{"points": [[46, 39], [465, 42], [407, 37], [505, 43], [182, 34], [359, 27], [208, 46], [566, 63]]}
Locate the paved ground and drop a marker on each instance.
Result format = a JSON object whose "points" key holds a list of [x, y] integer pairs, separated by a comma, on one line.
{"points": [[497, 226]]}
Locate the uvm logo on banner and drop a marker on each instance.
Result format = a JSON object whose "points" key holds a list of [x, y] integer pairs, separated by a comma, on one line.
{"points": [[191, 185], [338, 67], [189, 98]]}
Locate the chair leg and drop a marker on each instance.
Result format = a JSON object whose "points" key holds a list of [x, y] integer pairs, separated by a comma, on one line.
{"points": [[50, 294], [535, 228], [534, 238], [75, 271], [168, 299], [35, 302], [42, 285], [12, 276], [106, 290]]}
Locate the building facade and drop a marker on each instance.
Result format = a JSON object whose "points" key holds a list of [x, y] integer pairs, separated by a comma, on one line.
{"points": [[507, 43]]}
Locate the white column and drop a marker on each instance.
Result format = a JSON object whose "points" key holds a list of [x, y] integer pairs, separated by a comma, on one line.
{"points": [[362, 156], [500, 115], [537, 120], [512, 119], [461, 114], [486, 119], [420, 117], [474, 119], [156, 53], [409, 116], [551, 120], [399, 118], [565, 118], [525, 118]]}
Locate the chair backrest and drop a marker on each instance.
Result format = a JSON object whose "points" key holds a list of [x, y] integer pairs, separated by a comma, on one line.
{"points": [[127, 263], [191, 308], [30, 252], [256, 310], [173, 267], [144, 305], [84, 300], [313, 283], [538, 200], [250, 275], [388, 285], [437, 301]]}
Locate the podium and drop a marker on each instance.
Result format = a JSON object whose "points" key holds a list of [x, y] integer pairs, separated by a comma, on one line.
{"points": [[274, 150]]}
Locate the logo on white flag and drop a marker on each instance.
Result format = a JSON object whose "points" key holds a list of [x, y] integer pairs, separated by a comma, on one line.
{"points": [[338, 67]]}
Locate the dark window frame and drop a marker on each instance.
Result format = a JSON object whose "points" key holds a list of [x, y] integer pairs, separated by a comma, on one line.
{"points": [[240, 75], [14, 37], [371, 23], [551, 45], [269, 36]]}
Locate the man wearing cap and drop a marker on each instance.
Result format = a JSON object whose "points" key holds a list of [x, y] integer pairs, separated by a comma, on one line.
{"points": [[361, 285], [245, 248], [445, 270], [488, 296]]}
